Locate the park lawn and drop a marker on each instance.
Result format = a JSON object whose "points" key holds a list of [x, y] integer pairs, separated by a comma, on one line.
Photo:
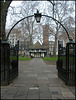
{"points": [[13, 57], [20, 58], [24, 58], [50, 58]]}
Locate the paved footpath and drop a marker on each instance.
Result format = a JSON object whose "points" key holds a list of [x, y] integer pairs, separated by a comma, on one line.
{"points": [[37, 80]]}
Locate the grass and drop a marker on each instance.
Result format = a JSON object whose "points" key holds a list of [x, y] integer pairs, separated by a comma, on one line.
{"points": [[20, 58], [24, 58], [50, 58], [13, 57], [56, 58]]}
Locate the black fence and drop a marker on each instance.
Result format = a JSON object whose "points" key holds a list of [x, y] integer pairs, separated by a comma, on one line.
{"points": [[9, 62], [66, 62]]}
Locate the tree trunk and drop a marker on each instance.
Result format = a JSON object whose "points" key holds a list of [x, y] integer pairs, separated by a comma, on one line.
{"points": [[56, 40], [55, 45], [4, 10]]}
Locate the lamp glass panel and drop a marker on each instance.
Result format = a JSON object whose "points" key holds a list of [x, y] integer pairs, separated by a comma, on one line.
{"points": [[38, 19]]}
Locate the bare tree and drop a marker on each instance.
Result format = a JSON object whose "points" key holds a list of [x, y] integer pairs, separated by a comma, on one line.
{"points": [[27, 8], [69, 23], [61, 12]]}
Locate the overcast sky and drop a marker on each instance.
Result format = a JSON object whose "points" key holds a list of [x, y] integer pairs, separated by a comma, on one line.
{"points": [[17, 3]]}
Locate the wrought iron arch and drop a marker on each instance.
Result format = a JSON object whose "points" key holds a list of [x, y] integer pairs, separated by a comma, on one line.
{"points": [[40, 16]]}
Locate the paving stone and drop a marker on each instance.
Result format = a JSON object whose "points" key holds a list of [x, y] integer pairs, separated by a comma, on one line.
{"points": [[57, 97], [21, 94], [49, 71], [72, 89], [54, 80], [67, 94], [43, 81], [54, 84], [52, 76], [44, 92], [21, 81], [23, 88], [33, 93], [37, 80], [32, 75], [12, 90], [18, 85], [45, 96], [62, 89], [8, 96], [53, 88], [32, 81], [43, 78], [3, 91], [70, 98]]}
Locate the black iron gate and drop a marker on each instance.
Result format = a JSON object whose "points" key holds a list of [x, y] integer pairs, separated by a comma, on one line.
{"points": [[14, 61], [66, 62], [9, 62]]}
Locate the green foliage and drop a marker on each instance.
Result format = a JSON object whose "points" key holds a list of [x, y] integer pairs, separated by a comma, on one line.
{"points": [[50, 58], [13, 57], [24, 58], [20, 58], [63, 57]]}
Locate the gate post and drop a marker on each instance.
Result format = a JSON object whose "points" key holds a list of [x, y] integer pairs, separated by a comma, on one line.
{"points": [[5, 62], [70, 62]]}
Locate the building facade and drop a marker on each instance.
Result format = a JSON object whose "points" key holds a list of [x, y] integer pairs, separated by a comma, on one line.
{"points": [[23, 48], [51, 47], [37, 50], [46, 37]]}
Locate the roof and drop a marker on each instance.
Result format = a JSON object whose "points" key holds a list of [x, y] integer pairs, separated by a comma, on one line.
{"points": [[37, 45]]}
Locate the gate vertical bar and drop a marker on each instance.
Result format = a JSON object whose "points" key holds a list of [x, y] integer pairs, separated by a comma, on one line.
{"points": [[17, 55], [67, 63], [75, 64]]}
